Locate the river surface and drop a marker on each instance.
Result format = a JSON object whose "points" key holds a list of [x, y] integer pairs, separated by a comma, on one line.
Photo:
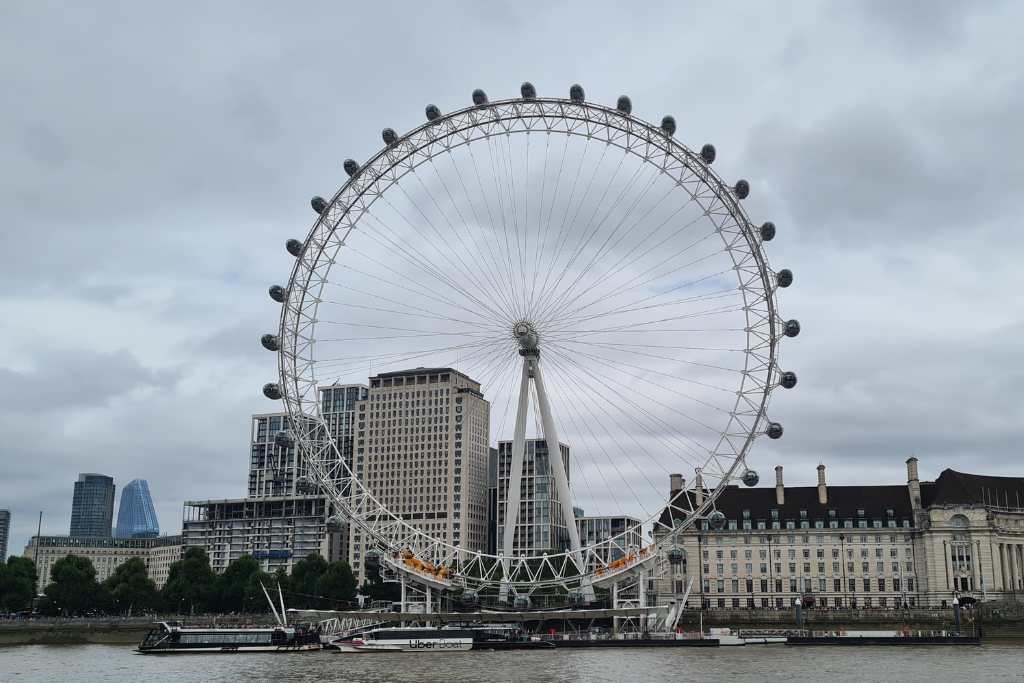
{"points": [[990, 662]]}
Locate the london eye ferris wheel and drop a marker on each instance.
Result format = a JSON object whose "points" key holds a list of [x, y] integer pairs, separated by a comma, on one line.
{"points": [[599, 283]]}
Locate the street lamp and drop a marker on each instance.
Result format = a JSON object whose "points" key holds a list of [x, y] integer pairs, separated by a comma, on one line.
{"points": [[842, 562]]}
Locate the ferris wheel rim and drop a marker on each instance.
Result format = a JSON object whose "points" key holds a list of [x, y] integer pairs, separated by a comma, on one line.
{"points": [[294, 322]]}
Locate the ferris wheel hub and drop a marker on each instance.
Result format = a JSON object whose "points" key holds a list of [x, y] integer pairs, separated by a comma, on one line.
{"points": [[526, 334]]}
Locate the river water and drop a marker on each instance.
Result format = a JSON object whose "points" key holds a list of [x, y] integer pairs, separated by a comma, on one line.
{"points": [[994, 661]]}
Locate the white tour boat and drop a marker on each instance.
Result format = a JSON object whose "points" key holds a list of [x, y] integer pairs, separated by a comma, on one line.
{"points": [[409, 639]]}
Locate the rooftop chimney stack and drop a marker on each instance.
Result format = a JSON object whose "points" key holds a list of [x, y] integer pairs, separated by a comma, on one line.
{"points": [[698, 484], [913, 484], [675, 483], [780, 492], [822, 491]]}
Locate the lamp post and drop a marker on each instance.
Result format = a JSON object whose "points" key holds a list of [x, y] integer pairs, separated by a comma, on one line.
{"points": [[842, 561]]}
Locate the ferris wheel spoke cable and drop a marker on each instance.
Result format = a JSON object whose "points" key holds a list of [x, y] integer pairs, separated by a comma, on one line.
{"points": [[417, 260], [419, 292], [492, 224], [504, 224], [632, 308], [547, 221], [623, 264], [488, 267], [564, 222], [632, 284], [564, 299], [465, 268], [558, 298], [573, 412], [575, 407], [441, 255], [698, 449], [547, 295], [644, 378]]}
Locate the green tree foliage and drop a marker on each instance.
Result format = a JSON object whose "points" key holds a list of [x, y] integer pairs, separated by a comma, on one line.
{"points": [[305, 581], [254, 601], [131, 589], [233, 583], [337, 584], [74, 589], [191, 584], [17, 584]]}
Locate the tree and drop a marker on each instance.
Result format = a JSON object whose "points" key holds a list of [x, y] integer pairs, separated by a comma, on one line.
{"points": [[74, 589], [337, 584], [254, 601], [131, 589], [191, 584], [305, 583], [232, 584], [17, 584]]}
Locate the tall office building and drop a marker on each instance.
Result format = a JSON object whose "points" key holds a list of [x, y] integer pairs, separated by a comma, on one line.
{"points": [[273, 469], [92, 509], [540, 527], [5, 532], [279, 523], [136, 516], [421, 449]]}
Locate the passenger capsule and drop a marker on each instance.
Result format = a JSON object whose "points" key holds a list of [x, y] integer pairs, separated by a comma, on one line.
{"points": [[390, 136], [625, 105], [272, 391], [576, 597], [788, 379], [432, 112], [668, 125], [294, 247], [479, 97], [768, 231], [351, 167], [303, 484], [742, 189], [270, 342], [318, 203], [716, 520], [470, 597], [792, 328], [521, 602], [336, 522], [284, 439], [576, 93], [784, 277], [707, 153], [528, 91], [675, 556], [277, 293], [774, 430], [750, 478]]}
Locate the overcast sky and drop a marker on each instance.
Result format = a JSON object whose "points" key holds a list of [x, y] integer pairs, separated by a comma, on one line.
{"points": [[155, 160]]}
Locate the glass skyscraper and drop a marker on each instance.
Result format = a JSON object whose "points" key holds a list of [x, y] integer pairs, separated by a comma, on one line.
{"points": [[92, 509], [136, 516]]}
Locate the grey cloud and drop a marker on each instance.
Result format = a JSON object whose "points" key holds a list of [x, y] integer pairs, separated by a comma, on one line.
{"points": [[157, 158]]}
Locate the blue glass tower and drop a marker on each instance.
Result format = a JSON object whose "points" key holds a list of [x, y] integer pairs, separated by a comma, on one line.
{"points": [[136, 517]]}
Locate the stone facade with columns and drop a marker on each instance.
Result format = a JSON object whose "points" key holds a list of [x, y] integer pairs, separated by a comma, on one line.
{"points": [[913, 544]]}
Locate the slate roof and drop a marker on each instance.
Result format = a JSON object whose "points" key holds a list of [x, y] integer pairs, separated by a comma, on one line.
{"points": [[954, 487]]}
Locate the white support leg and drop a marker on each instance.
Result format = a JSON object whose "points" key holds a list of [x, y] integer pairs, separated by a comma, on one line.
{"points": [[515, 476], [557, 469], [428, 610], [403, 593]]}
